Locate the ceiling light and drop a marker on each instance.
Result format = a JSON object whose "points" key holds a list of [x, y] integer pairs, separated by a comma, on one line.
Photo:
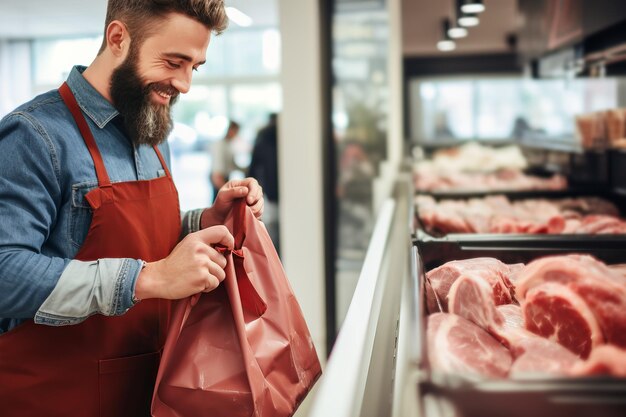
{"points": [[455, 32], [239, 17], [446, 44], [471, 6], [468, 20]]}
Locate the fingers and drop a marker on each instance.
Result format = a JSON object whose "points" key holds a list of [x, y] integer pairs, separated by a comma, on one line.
{"points": [[215, 273], [211, 284], [216, 235], [255, 191], [217, 258], [227, 195], [247, 187], [257, 208]]}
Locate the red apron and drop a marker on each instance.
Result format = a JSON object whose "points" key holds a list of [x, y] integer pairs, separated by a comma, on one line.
{"points": [[104, 366]]}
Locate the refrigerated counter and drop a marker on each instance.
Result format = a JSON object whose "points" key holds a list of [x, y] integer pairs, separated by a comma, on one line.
{"points": [[376, 366], [368, 372]]}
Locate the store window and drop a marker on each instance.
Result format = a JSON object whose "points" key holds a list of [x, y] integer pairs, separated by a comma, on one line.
{"points": [[53, 59], [244, 52], [360, 115], [497, 108]]}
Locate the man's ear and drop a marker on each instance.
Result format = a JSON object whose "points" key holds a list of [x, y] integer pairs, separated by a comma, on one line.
{"points": [[118, 39]]}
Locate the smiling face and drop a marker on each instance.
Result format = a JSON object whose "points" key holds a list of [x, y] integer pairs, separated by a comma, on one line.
{"points": [[154, 73]]}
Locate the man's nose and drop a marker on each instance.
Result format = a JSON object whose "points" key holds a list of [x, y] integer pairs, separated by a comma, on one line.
{"points": [[182, 82]]}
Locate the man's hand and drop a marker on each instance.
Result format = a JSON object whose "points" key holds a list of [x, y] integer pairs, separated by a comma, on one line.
{"points": [[193, 266], [247, 188]]}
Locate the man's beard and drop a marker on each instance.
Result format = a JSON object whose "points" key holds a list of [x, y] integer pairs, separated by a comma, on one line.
{"points": [[146, 122]]}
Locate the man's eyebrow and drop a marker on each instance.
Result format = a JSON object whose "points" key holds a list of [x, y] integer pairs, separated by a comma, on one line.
{"points": [[183, 57]]}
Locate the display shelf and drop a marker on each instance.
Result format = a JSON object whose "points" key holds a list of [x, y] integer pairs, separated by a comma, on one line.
{"points": [[359, 379], [568, 145]]}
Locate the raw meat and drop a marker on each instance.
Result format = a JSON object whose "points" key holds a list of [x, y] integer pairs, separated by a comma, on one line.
{"points": [[600, 288], [512, 315], [619, 268], [496, 214], [601, 224], [514, 271], [427, 179], [492, 270], [536, 356], [472, 298], [445, 218], [458, 346], [475, 157], [604, 360], [555, 312], [587, 205], [570, 307]]}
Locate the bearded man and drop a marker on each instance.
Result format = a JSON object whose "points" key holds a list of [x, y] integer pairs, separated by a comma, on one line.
{"points": [[92, 243]]}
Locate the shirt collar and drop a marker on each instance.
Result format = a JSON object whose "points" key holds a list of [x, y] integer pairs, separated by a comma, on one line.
{"points": [[96, 107]]}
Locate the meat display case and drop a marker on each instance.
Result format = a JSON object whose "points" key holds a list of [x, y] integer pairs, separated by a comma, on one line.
{"points": [[435, 249], [377, 366], [455, 395], [580, 191]]}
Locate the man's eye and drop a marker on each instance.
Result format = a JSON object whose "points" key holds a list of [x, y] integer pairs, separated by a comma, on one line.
{"points": [[173, 64], [195, 69]]}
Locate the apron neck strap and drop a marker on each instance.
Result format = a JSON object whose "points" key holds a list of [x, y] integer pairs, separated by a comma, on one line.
{"points": [[101, 172], [158, 152], [72, 105]]}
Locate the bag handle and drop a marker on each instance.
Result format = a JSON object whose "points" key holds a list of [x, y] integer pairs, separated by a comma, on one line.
{"points": [[251, 300], [239, 222]]}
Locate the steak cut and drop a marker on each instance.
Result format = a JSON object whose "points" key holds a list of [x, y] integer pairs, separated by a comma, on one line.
{"points": [[471, 297], [559, 314], [440, 279], [602, 289], [604, 360], [458, 346], [536, 356]]}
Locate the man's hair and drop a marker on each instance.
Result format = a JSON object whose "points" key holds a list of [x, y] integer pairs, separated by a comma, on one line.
{"points": [[141, 17]]}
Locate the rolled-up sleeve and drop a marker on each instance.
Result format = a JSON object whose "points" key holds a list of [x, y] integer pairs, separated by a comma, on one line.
{"points": [[104, 286], [190, 221]]}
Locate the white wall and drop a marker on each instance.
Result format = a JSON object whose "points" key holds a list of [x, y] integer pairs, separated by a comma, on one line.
{"points": [[300, 161]]}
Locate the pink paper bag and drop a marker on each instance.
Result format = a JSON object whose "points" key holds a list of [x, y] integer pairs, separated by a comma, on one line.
{"points": [[243, 349]]}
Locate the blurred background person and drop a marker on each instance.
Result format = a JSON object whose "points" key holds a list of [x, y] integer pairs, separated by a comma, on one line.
{"points": [[264, 167], [223, 158]]}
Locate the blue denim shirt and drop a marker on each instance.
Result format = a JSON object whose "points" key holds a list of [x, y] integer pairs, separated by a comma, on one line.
{"points": [[45, 172]]}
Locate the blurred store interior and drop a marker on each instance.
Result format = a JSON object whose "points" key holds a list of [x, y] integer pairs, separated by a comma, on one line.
{"points": [[363, 88]]}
